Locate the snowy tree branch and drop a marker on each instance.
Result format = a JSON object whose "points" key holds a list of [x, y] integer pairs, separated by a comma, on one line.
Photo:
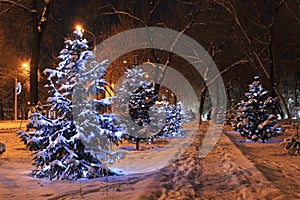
{"points": [[44, 17]]}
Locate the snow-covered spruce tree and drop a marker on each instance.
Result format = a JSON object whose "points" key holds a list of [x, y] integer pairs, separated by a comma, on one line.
{"points": [[133, 101], [143, 117], [172, 126], [254, 119], [59, 144], [185, 115]]}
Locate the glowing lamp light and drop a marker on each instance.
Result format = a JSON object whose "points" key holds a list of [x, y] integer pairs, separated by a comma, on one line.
{"points": [[79, 28], [26, 66]]}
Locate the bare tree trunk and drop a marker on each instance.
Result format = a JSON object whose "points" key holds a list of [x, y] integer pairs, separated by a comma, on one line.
{"points": [[296, 87], [202, 100], [228, 87], [204, 90], [137, 144], [284, 104], [39, 22], [35, 56]]}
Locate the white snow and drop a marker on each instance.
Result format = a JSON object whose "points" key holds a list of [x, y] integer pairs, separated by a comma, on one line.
{"points": [[236, 170]]}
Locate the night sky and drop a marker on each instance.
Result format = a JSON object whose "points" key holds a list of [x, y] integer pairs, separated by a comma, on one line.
{"points": [[212, 26]]}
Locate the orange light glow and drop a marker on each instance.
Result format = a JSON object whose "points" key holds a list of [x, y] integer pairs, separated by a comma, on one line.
{"points": [[79, 28], [26, 66]]}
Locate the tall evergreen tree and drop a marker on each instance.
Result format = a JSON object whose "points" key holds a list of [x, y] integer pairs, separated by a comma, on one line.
{"points": [[76, 144]]}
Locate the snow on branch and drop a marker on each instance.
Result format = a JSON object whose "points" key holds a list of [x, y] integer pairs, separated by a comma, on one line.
{"points": [[44, 16]]}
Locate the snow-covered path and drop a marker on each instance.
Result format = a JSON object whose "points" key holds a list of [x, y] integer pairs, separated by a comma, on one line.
{"points": [[277, 167], [228, 174], [225, 173]]}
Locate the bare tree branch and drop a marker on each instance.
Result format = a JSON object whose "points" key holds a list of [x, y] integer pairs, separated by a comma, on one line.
{"points": [[291, 12], [16, 3], [230, 8], [161, 24], [152, 11], [9, 8], [126, 14], [187, 27], [117, 12], [235, 64]]}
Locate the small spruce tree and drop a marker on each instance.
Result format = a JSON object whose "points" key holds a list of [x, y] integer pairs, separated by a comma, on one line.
{"points": [[254, 119], [143, 117], [175, 115], [134, 101]]}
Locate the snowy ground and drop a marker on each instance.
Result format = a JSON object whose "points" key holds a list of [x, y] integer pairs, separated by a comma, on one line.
{"points": [[235, 169], [4, 125]]}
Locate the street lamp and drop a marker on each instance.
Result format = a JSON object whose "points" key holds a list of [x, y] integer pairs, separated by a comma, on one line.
{"points": [[26, 66], [15, 94], [79, 28], [17, 88]]}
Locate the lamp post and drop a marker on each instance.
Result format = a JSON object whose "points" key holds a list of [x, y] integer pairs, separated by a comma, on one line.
{"points": [[15, 94], [79, 28], [16, 101], [17, 89]]}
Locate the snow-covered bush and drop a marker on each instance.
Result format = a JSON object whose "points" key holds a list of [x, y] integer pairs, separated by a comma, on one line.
{"points": [[292, 145], [254, 119], [76, 144], [231, 113]]}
